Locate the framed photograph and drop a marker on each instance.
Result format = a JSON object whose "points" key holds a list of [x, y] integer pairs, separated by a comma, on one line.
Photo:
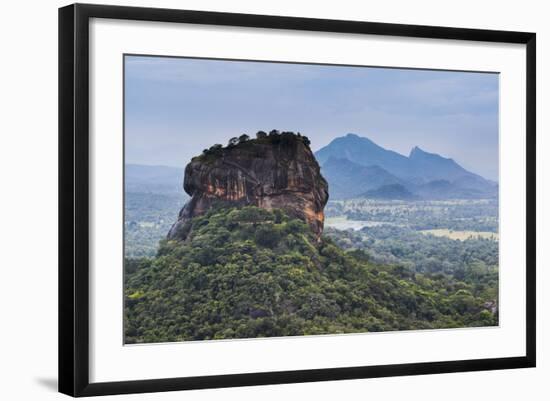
{"points": [[251, 199]]}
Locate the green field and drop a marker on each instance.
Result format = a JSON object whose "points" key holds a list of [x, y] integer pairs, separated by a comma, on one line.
{"points": [[461, 235]]}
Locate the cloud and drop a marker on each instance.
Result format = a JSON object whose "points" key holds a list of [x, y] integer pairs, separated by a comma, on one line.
{"points": [[176, 107]]}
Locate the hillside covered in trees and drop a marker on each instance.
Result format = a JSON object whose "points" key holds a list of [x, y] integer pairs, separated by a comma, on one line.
{"points": [[247, 272]]}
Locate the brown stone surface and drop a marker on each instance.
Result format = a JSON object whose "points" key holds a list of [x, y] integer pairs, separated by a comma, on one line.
{"points": [[278, 171]]}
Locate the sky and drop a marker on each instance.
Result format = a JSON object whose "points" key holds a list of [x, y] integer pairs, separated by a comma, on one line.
{"points": [[176, 107]]}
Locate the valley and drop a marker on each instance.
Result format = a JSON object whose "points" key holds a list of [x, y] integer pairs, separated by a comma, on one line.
{"points": [[447, 236]]}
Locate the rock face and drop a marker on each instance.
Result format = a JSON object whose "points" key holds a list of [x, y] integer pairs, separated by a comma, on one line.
{"points": [[275, 171]]}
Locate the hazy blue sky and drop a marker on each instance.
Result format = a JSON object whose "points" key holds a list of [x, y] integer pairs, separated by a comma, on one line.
{"points": [[175, 107]]}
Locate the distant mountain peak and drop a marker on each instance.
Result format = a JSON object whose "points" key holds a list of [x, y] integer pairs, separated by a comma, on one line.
{"points": [[354, 138], [415, 150], [342, 159], [418, 152], [363, 139]]}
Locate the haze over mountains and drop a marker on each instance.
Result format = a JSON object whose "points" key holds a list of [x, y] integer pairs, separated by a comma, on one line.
{"points": [[357, 167], [153, 179]]}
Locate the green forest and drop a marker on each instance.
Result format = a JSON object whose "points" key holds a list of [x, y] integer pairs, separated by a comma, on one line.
{"points": [[148, 217], [248, 272]]}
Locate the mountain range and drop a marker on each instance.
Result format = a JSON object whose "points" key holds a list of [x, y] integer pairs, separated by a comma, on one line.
{"points": [[356, 167]]}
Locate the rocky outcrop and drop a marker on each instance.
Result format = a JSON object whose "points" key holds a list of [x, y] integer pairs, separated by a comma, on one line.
{"points": [[272, 171]]}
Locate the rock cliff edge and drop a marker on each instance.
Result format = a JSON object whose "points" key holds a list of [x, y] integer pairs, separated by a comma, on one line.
{"points": [[272, 171]]}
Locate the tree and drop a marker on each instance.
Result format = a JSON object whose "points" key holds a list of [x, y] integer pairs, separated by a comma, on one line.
{"points": [[233, 141], [306, 140], [261, 134], [243, 138], [278, 213], [216, 149], [287, 137], [360, 255], [266, 235]]}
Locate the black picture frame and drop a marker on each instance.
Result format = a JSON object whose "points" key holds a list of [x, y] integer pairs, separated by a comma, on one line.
{"points": [[74, 198]]}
